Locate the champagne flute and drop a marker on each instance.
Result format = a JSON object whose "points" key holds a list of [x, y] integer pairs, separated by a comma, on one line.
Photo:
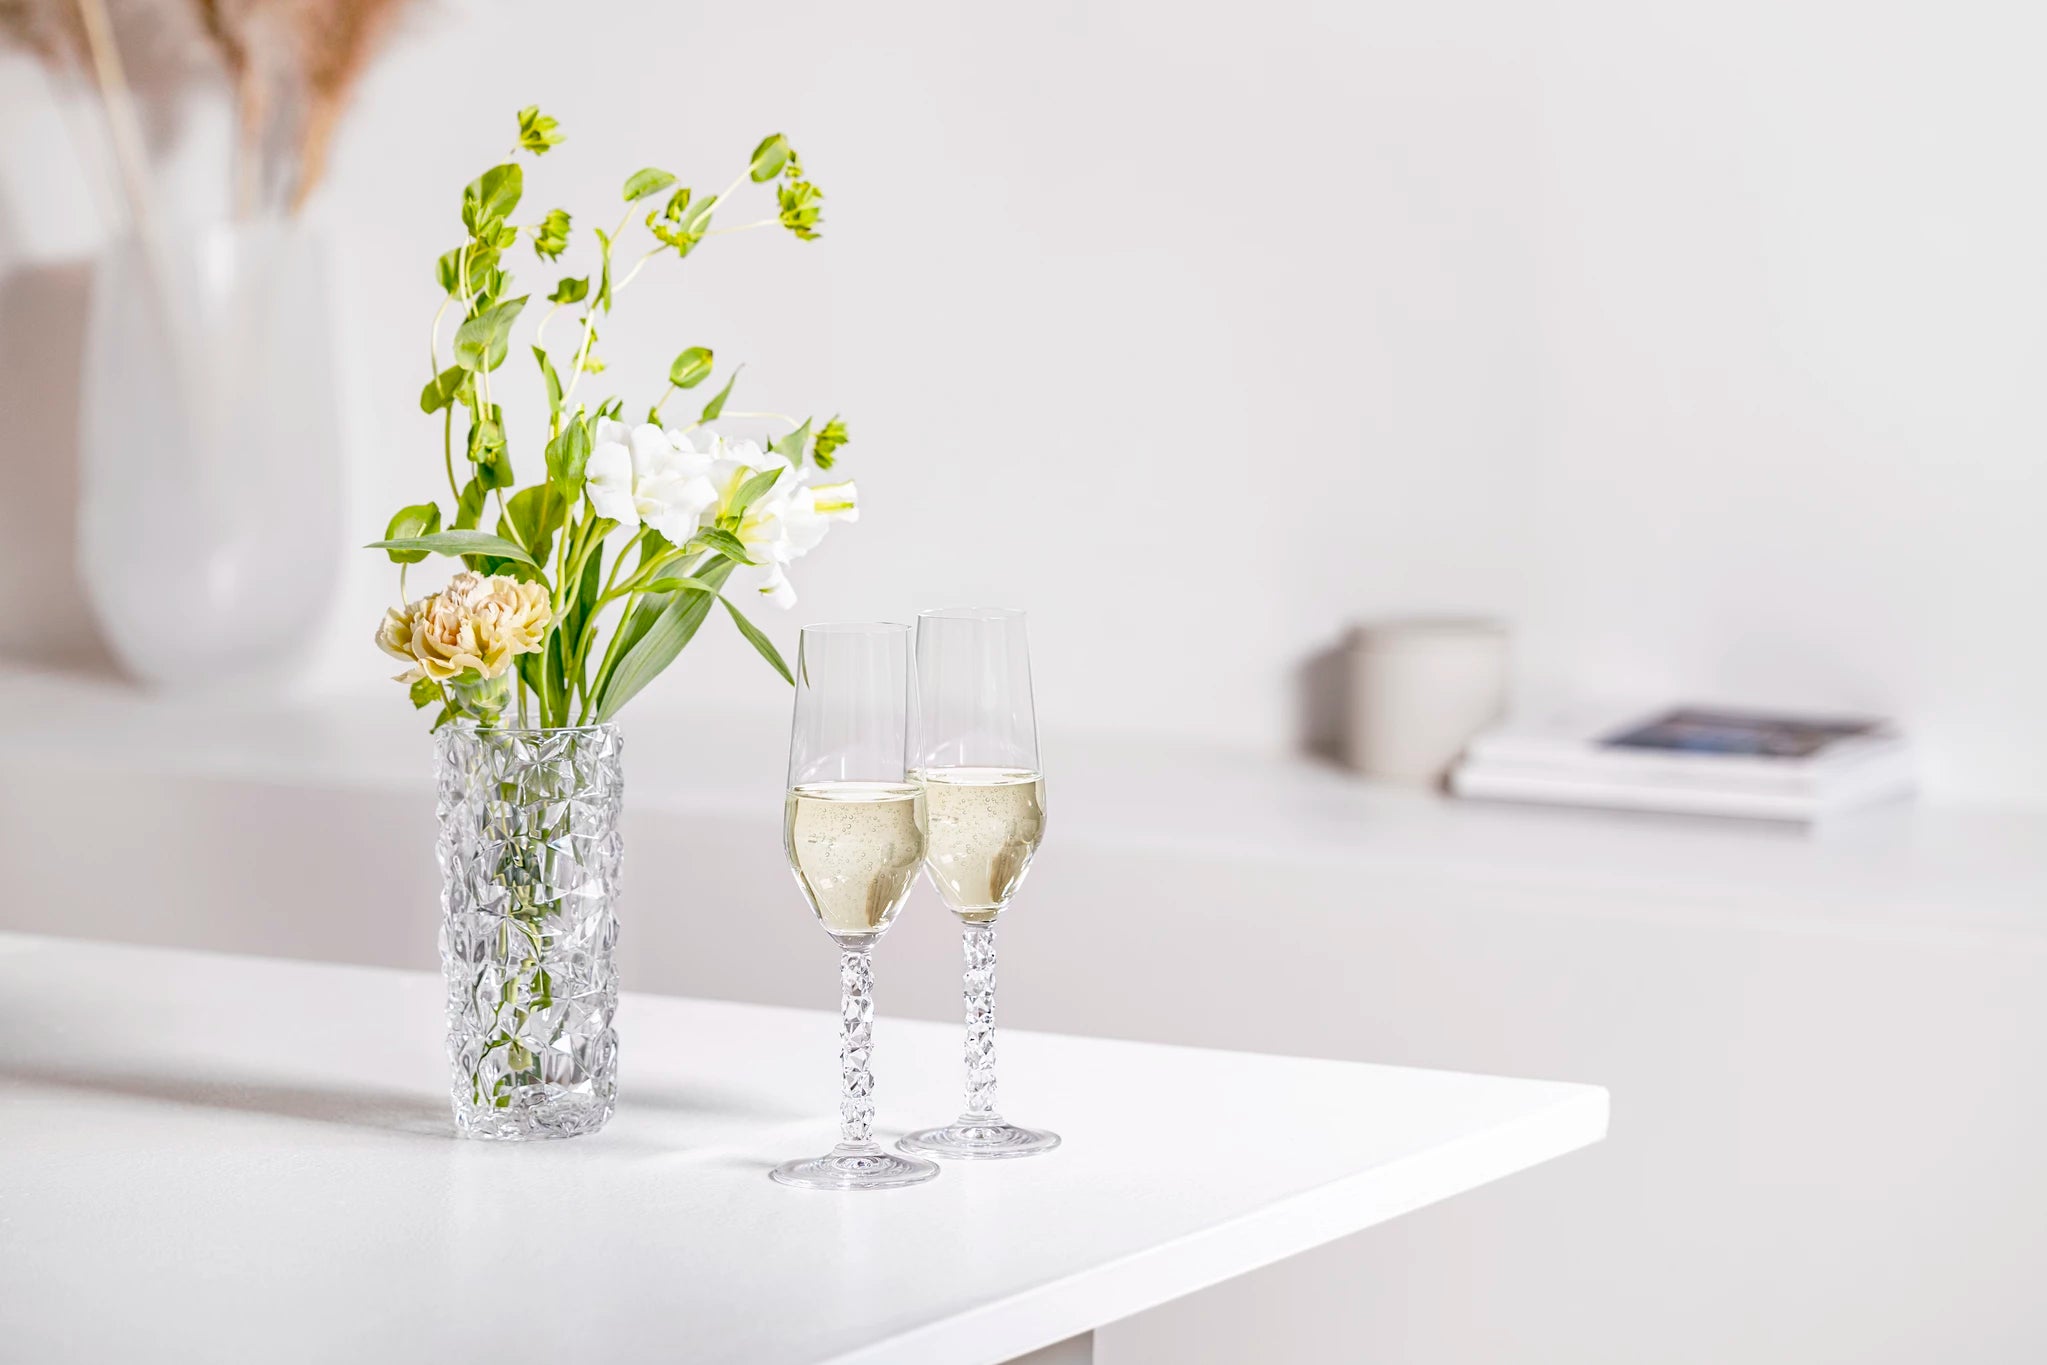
{"points": [[974, 746], [853, 827]]}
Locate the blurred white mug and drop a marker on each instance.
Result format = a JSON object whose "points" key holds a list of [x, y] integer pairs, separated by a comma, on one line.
{"points": [[1419, 689]]}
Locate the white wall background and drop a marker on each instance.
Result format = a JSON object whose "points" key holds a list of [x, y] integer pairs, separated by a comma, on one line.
{"points": [[1701, 341]]}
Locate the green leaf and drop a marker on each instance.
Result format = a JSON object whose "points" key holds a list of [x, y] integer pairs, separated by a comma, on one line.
{"points": [[683, 221], [717, 405], [422, 519], [567, 456], [769, 158], [642, 183], [667, 585], [484, 277], [442, 388], [456, 543], [724, 542], [469, 506], [792, 445], [536, 513], [588, 587], [604, 274], [657, 631], [802, 208], [487, 450], [481, 342], [683, 242], [760, 642], [550, 378], [490, 198], [537, 132], [483, 269], [482, 264], [829, 439], [533, 672], [691, 368], [551, 234], [570, 291], [695, 219], [748, 491], [425, 692]]}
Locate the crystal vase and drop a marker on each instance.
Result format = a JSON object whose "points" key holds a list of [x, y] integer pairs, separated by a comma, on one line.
{"points": [[529, 854]]}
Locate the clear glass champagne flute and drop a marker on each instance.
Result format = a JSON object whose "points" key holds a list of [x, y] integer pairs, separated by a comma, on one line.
{"points": [[974, 746], [853, 827]]}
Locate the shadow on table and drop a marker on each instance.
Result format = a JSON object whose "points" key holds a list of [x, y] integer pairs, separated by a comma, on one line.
{"points": [[386, 1110], [702, 1101]]}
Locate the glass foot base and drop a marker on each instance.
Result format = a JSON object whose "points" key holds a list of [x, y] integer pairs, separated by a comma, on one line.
{"points": [[988, 1139], [535, 1113], [860, 1167]]}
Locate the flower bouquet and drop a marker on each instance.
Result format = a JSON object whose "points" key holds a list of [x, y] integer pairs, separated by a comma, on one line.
{"points": [[592, 580]]}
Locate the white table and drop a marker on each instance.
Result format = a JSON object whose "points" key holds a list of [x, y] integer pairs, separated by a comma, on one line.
{"points": [[208, 1158]]}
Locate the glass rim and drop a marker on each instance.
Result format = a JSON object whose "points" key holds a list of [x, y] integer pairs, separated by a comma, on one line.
{"points": [[851, 627], [972, 614], [468, 725]]}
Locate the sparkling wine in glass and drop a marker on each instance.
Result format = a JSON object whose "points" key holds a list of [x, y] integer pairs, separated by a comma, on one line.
{"points": [[853, 827], [974, 746]]}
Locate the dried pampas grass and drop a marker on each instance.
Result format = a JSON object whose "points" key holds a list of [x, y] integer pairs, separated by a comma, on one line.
{"points": [[293, 66], [50, 29], [337, 41]]}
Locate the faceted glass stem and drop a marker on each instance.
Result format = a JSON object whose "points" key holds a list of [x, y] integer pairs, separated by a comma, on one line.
{"points": [[857, 1163], [856, 1047], [980, 1132], [978, 989]]}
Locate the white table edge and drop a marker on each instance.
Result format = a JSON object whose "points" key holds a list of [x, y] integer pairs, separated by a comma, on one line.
{"points": [[1057, 1310]]}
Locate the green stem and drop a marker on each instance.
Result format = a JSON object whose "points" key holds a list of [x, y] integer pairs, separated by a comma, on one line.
{"points": [[645, 574], [561, 563], [611, 649], [619, 285], [590, 316], [573, 664], [563, 582], [609, 661], [448, 450], [433, 341], [726, 193], [540, 332]]}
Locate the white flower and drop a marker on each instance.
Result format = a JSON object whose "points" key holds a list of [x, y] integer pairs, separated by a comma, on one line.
{"points": [[813, 509], [780, 525], [644, 475]]}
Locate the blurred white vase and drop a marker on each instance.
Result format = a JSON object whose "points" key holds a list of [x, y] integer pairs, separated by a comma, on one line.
{"points": [[211, 489]]}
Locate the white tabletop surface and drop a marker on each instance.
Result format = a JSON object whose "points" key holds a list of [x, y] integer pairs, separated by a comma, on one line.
{"points": [[207, 1158]]}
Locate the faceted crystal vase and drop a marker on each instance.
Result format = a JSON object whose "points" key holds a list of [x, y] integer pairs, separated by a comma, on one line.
{"points": [[529, 854]]}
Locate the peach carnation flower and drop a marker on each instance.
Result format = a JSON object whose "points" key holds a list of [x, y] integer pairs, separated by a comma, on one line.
{"points": [[474, 623]]}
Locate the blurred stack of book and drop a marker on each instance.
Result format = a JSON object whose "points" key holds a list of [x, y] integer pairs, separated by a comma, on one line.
{"points": [[1690, 760]]}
